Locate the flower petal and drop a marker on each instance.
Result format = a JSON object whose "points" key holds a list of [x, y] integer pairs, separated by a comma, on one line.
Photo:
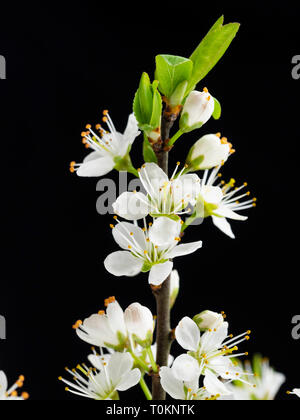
{"points": [[123, 263], [129, 380], [185, 249], [3, 383], [132, 129], [222, 224], [186, 368], [226, 212], [187, 188], [153, 178], [96, 167], [159, 273], [173, 386], [164, 231], [187, 334], [213, 385], [132, 206], [127, 234], [120, 364], [115, 316]]}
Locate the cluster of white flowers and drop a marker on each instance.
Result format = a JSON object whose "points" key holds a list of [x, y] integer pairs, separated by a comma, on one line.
{"points": [[11, 394], [209, 369], [127, 353]]}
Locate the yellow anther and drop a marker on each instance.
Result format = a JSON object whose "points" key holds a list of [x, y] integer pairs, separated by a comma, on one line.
{"points": [[112, 226], [205, 90], [105, 112], [218, 135]]}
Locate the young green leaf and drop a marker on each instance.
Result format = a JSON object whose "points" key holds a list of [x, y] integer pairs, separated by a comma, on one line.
{"points": [[217, 110], [170, 71], [211, 49]]}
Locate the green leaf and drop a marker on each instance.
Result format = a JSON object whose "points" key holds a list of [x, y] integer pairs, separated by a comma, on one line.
{"points": [[218, 110], [172, 70], [156, 106], [147, 105], [148, 152], [179, 94], [145, 97], [211, 49]]}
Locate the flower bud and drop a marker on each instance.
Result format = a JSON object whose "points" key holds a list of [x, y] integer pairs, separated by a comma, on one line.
{"points": [[208, 320], [174, 287], [197, 110], [139, 322], [208, 152]]}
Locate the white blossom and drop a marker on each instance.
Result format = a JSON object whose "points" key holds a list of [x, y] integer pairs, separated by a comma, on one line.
{"points": [[208, 320], [116, 329], [139, 322], [221, 200], [180, 389], [208, 353], [208, 152], [116, 374], [264, 382], [108, 147], [163, 196], [197, 110], [149, 249]]}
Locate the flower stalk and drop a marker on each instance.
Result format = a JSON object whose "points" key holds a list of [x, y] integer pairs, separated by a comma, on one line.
{"points": [[162, 294]]}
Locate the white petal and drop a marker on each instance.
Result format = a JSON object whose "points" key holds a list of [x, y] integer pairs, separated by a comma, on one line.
{"points": [[296, 391], [152, 178], [123, 263], [97, 362], [3, 383], [188, 334], [139, 320], [132, 129], [115, 316], [96, 330], [96, 167], [212, 340], [132, 206], [164, 231], [213, 385], [159, 273], [129, 380], [173, 386], [187, 188], [93, 156], [213, 151], [222, 224], [127, 234], [226, 212], [186, 368], [185, 249], [212, 195], [120, 364]]}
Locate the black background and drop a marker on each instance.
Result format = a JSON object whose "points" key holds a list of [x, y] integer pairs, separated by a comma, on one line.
{"points": [[63, 68]]}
